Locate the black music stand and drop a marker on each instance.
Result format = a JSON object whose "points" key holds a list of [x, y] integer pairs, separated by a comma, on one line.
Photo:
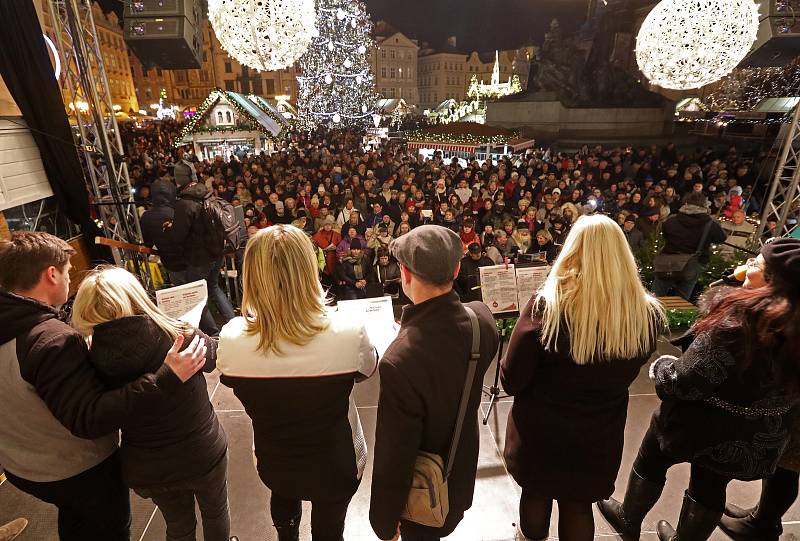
{"points": [[493, 391]]}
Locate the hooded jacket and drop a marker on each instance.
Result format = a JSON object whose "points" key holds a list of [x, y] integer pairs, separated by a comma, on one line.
{"points": [[51, 398], [683, 233], [159, 438], [162, 210]]}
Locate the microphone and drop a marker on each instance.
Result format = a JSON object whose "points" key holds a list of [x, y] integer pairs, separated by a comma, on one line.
{"points": [[736, 278]]}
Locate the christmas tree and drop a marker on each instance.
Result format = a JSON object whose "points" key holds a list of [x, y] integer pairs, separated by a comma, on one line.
{"points": [[336, 85]]}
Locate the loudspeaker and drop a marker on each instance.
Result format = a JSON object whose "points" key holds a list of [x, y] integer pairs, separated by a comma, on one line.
{"points": [[165, 33], [778, 41]]}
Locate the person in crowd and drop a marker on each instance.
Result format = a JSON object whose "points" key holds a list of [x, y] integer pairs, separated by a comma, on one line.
{"points": [[577, 346], [161, 212], [725, 403], [648, 222], [354, 272], [683, 234], [632, 232], [779, 491], [522, 237], [51, 397], [387, 273], [184, 171], [422, 377], [503, 247], [327, 240], [343, 248], [468, 281], [203, 262], [739, 231], [380, 240], [293, 365], [129, 338], [544, 246]]}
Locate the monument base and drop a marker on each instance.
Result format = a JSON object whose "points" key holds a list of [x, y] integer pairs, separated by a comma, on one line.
{"points": [[544, 117]]}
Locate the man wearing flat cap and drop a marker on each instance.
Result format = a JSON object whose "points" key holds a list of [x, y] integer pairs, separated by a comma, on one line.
{"points": [[422, 380]]}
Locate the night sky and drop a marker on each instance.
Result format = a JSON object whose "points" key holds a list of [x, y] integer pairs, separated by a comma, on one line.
{"points": [[482, 25]]}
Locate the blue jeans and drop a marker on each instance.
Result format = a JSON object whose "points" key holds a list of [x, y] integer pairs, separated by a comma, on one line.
{"points": [[210, 273], [683, 287], [176, 503]]}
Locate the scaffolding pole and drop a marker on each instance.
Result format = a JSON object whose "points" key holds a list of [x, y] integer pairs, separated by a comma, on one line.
{"points": [[84, 81], [783, 196]]}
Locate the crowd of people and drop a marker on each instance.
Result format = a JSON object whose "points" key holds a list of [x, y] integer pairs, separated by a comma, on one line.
{"points": [[353, 202], [115, 399]]}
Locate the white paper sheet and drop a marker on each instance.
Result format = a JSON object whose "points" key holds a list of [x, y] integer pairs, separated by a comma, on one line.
{"points": [[499, 288], [529, 279], [376, 315], [185, 302]]}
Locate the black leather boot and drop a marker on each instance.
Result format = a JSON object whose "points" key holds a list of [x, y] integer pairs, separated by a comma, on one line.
{"points": [[626, 517], [747, 525], [696, 523], [289, 531]]}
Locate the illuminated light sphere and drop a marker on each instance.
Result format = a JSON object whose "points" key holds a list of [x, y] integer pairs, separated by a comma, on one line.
{"points": [[337, 118], [340, 14], [264, 34], [685, 44], [328, 78], [330, 45], [358, 79], [347, 63], [362, 49], [363, 108], [353, 23]]}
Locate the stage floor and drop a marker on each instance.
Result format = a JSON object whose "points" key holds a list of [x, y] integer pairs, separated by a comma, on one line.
{"points": [[494, 511]]}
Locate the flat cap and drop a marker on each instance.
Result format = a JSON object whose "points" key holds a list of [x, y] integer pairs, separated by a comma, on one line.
{"points": [[431, 252]]}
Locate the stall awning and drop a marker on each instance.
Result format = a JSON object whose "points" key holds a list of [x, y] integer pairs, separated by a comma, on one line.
{"points": [[416, 145]]}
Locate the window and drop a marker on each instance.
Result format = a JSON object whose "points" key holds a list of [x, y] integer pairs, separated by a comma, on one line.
{"points": [[219, 117], [205, 56], [392, 54], [228, 117], [228, 67], [257, 86], [391, 92], [270, 87], [383, 72], [393, 73], [204, 75], [383, 53], [229, 85], [158, 72]]}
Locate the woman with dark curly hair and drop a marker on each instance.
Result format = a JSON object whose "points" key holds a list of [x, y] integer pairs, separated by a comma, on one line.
{"points": [[725, 402]]}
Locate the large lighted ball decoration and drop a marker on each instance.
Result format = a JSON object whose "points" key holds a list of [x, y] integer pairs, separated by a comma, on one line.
{"points": [[685, 44], [264, 34]]}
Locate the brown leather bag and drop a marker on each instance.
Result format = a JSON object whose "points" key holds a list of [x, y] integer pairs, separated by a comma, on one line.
{"points": [[428, 500]]}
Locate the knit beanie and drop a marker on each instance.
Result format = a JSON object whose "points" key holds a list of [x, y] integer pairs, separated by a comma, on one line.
{"points": [[782, 256]]}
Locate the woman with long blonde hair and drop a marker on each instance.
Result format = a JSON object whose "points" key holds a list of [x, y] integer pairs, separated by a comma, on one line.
{"points": [[577, 346], [130, 336], [292, 362]]}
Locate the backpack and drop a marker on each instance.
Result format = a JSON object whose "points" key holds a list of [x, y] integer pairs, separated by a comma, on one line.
{"points": [[222, 226]]}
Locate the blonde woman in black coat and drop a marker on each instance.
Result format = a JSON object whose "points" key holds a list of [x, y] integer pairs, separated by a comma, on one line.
{"points": [[578, 345]]}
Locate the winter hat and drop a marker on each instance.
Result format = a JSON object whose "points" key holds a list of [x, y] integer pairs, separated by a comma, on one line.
{"points": [[474, 248], [328, 220], [355, 244], [630, 218], [782, 256], [278, 205]]}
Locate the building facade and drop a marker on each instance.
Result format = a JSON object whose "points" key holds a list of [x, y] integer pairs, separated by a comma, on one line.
{"points": [[394, 64], [442, 75], [115, 59]]}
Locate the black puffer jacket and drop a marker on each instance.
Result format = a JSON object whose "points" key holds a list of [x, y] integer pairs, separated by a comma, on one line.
{"points": [[176, 436], [152, 221], [683, 232], [188, 228]]}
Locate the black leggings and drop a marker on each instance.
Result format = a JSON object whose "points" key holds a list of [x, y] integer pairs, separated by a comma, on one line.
{"points": [[575, 521], [705, 486], [327, 518]]}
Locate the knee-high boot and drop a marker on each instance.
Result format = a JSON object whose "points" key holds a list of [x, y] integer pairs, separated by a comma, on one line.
{"points": [[626, 517], [696, 523]]}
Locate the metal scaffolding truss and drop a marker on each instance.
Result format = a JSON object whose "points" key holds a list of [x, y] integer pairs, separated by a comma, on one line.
{"points": [[783, 198], [85, 86]]}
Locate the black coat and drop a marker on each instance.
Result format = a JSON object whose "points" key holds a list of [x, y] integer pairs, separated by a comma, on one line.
{"points": [[566, 430], [188, 228], [701, 420], [682, 234], [468, 282], [422, 379], [176, 437], [153, 231]]}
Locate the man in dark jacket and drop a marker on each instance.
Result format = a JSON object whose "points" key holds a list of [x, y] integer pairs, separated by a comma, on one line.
{"points": [[153, 222], [51, 398], [188, 229], [682, 235], [633, 235], [355, 272], [468, 282], [422, 380]]}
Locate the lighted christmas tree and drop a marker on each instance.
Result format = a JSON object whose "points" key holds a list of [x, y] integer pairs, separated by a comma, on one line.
{"points": [[336, 84]]}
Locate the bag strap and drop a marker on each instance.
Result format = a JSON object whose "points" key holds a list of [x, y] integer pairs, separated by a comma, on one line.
{"points": [[475, 355], [706, 230]]}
